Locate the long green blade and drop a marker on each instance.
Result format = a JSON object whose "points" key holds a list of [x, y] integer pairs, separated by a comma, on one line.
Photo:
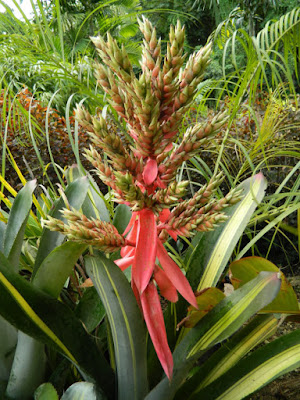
{"points": [[214, 249], [225, 319], [51, 322], [75, 193], [231, 351], [16, 224], [258, 369], [127, 327], [57, 266]]}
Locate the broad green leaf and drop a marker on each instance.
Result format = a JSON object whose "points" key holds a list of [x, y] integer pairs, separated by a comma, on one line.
{"points": [[45, 391], [122, 217], [93, 205], [245, 269], [82, 391], [211, 254], [28, 368], [220, 323], [128, 329], [51, 322], [57, 267], [90, 309], [230, 352], [8, 340], [255, 371], [16, 224], [75, 193]]}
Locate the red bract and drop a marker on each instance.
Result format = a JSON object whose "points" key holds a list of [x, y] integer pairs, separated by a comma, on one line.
{"points": [[142, 230], [145, 254], [155, 322]]}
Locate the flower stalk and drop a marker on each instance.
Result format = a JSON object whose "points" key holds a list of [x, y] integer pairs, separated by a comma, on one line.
{"points": [[143, 174]]}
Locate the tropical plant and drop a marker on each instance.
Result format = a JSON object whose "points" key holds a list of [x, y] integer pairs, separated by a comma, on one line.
{"points": [[269, 58], [143, 177], [52, 53]]}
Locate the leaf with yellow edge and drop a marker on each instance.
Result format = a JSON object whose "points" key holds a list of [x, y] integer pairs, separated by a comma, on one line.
{"points": [[246, 269], [51, 322]]}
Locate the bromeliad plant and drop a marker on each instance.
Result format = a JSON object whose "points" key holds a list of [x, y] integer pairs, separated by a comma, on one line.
{"points": [[142, 171]]}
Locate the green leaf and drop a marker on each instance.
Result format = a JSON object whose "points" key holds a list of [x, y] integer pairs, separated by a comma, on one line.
{"points": [[245, 269], [231, 351], [220, 323], [56, 267], [51, 322], [82, 391], [45, 391], [211, 254], [129, 31], [93, 205], [90, 309], [127, 326], [8, 340], [75, 193], [16, 224], [2, 235], [255, 371], [122, 217], [28, 368]]}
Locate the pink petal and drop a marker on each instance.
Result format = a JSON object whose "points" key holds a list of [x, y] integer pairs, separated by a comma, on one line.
{"points": [[150, 171], [124, 262], [164, 215], [175, 275], [145, 253], [156, 326], [166, 287], [132, 235]]}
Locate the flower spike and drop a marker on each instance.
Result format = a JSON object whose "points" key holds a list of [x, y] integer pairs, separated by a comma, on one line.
{"points": [[142, 173]]}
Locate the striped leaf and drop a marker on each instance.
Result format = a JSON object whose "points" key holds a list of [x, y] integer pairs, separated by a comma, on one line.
{"points": [[51, 322], [232, 351], [211, 254], [126, 323], [255, 371], [225, 319]]}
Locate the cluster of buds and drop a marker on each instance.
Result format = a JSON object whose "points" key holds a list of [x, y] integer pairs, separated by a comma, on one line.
{"points": [[142, 173]]}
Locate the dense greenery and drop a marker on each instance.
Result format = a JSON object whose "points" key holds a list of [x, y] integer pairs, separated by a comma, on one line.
{"points": [[248, 97]]}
